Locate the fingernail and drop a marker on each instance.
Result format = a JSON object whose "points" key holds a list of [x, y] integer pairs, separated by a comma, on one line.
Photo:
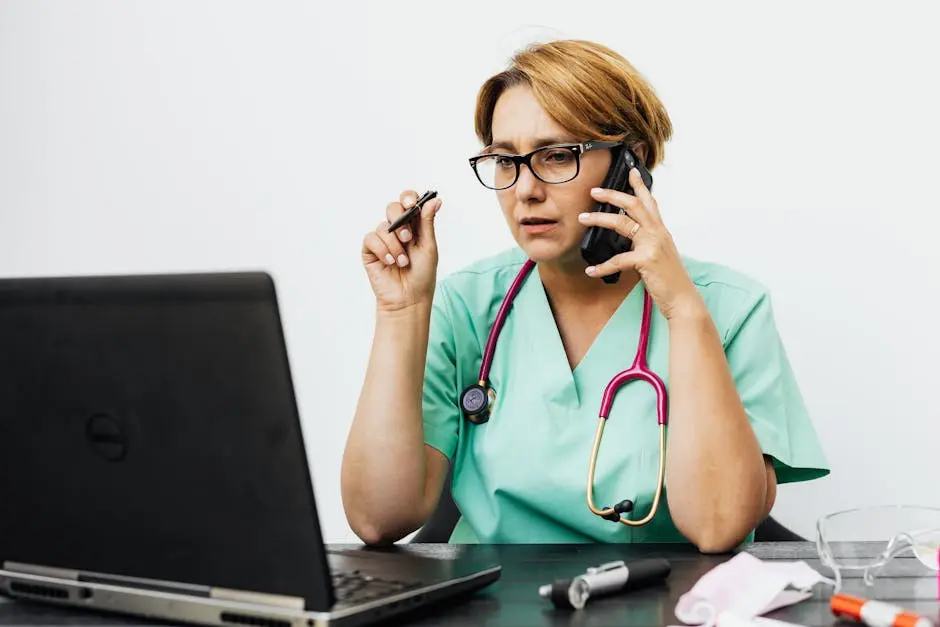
{"points": [[402, 261], [589, 270], [597, 190], [408, 201], [389, 259], [582, 216], [404, 235], [634, 172]]}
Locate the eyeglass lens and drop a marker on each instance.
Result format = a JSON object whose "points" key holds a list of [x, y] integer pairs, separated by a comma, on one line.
{"points": [[552, 165]]}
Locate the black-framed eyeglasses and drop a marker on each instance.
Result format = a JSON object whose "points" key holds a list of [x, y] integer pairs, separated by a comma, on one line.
{"points": [[558, 163]]}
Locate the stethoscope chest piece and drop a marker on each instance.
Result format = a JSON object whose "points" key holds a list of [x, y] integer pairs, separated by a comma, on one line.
{"points": [[476, 402]]}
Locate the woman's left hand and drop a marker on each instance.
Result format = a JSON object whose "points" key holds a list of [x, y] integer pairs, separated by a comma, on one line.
{"points": [[654, 255]]}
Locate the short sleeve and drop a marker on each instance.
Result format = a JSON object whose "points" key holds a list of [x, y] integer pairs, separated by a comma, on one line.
{"points": [[770, 394], [440, 407]]}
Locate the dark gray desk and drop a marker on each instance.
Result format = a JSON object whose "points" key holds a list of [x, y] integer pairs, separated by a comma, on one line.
{"points": [[514, 600]]}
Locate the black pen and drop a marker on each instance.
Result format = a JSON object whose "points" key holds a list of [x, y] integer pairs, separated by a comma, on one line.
{"points": [[403, 218], [606, 579]]}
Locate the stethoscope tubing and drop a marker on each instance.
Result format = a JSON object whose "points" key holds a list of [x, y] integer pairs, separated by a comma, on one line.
{"points": [[637, 370], [501, 316]]}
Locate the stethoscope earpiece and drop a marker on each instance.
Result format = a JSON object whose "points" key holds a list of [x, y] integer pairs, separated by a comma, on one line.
{"points": [[476, 402], [623, 507]]}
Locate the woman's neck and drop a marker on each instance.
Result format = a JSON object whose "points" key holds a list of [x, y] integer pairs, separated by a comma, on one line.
{"points": [[565, 282]]}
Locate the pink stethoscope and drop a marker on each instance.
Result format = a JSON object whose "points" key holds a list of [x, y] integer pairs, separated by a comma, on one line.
{"points": [[477, 399]]}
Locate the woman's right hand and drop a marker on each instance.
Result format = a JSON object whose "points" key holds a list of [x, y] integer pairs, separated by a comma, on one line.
{"points": [[402, 266]]}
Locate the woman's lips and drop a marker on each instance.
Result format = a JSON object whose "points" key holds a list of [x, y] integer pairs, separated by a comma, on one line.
{"points": [[536, 226]]}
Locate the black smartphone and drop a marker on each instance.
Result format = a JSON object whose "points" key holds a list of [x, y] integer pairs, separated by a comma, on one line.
{"points": [[599, 243]]}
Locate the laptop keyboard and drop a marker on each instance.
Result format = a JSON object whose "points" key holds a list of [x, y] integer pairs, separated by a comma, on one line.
{"points": [[357, 587]]}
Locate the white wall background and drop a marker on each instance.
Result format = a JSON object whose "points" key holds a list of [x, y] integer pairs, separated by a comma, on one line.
{"points": [[175, 136]]}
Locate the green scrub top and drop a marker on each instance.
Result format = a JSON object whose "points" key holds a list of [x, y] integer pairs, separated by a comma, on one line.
{"points": [[522, 476]]}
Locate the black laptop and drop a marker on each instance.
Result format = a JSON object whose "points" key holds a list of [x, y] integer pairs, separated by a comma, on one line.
{"points": [[153, 463]]}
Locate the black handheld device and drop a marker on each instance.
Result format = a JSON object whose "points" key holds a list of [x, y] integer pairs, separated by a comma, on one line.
{"points": [[600, 243], [607, 579]]}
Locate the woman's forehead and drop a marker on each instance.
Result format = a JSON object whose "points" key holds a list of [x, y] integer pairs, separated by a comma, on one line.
{"points": [[521, 124]]}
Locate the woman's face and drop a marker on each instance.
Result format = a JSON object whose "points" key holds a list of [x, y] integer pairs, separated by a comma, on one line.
{"points": [[520, 125]]}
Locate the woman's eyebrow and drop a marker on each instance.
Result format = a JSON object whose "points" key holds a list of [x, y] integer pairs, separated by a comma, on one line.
{"points": [[542, 141]]}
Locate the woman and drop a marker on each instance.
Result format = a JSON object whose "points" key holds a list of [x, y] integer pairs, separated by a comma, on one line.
{"points": [[737, 426]]}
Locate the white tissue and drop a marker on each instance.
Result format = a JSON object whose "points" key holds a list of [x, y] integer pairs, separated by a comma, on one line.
{"points": [[737, 592]]}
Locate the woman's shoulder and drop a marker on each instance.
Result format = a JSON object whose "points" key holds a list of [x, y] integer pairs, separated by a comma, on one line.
{"points": [[711, 276], [493, 267], [720, 283], [731, 295], [483, 280]]}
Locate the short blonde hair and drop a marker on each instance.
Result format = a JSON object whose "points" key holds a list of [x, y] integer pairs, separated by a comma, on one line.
{"points": [[590, 90]]}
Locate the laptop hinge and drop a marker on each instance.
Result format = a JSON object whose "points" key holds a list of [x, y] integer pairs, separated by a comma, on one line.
{"points": [[80, 576], [259, 598], [41, 571], [226, 594], [158, 585]]}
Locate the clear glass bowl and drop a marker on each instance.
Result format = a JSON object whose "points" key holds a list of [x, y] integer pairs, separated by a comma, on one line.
{"points": [[865, 539]]}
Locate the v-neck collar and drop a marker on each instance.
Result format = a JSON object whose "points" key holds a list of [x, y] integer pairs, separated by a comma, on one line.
{"points": [[613, 348]]}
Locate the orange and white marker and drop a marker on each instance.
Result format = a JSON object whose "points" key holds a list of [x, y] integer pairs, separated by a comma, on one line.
{"points": [[875, 613]]}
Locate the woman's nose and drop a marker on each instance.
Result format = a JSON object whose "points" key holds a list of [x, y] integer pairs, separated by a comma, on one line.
{"points": [[527, 185]]}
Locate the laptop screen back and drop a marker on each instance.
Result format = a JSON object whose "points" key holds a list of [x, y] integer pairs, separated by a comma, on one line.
{"points": [[148, 428]]}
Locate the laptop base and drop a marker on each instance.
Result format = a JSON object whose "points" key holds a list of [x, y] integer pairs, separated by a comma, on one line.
{"points": [[167, 605]]}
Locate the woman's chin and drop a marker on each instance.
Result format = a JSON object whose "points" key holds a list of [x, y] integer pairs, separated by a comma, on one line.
{"points": [[549, 250]]}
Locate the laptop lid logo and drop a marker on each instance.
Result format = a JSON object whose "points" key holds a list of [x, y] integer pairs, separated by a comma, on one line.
{"points": [[106, 437]]}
